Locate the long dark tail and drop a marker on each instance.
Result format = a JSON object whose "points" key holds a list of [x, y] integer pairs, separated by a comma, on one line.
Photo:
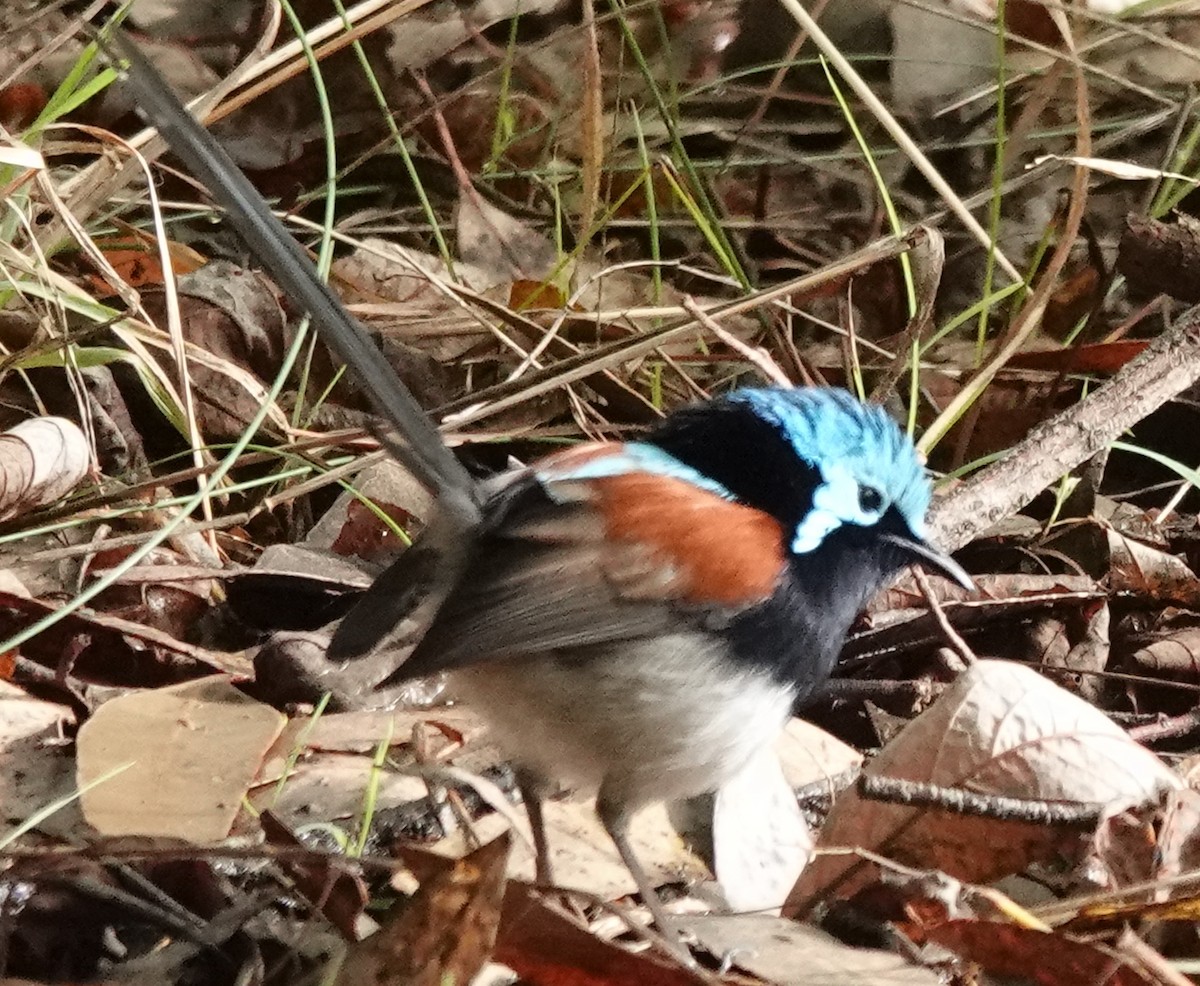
{"points": [[422, 450]]}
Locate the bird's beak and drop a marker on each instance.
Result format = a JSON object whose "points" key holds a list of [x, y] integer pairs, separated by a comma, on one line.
{"points": [[925, 554]]}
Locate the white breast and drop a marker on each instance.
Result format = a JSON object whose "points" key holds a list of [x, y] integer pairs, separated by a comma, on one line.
{"points": [[654, 721]]}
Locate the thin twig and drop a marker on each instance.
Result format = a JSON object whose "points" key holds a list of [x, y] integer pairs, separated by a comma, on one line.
{"points": [[961, 647], [754, 354], [978, 804], [1172, 728]]}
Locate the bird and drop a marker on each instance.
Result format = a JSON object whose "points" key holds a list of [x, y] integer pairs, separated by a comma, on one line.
{"points": [[638, 619], [635, 618]]}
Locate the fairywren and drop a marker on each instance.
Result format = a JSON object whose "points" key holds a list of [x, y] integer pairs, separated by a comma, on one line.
{"points": [[635, 618], [638, 619]]}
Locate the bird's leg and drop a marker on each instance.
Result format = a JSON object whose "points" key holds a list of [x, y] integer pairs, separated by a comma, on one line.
{"points": [[616, 817], [532, 788]]}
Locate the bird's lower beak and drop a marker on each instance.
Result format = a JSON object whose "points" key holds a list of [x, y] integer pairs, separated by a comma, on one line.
{"points": [[925, 554]]}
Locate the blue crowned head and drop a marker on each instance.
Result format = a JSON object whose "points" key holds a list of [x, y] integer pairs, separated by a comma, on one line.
{"points": [[817, 459], [860, 464]]}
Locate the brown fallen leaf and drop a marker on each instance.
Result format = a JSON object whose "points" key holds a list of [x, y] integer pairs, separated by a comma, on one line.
{"points": [[104, 649], [444, 934], [543, 946], [1143, 570], [1176, 656], [1047, 958], [234, 317], [1002, 729]]}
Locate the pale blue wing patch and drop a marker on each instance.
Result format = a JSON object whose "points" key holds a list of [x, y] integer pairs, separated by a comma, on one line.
{"points": [[632, 457]]}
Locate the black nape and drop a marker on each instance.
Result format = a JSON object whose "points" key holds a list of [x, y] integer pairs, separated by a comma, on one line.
{"points": [[731, 444]]}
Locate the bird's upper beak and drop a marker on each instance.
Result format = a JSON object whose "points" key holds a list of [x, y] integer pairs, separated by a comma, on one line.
{"points": [[925, 554]]}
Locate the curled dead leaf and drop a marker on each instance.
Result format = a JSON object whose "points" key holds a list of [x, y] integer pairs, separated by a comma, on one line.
{"points": [[41, 461]]}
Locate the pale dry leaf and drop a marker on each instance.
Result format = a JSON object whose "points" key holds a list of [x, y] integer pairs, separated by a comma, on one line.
{"points": [[362, 731], [328, 787], [1179, 837], [1001, 729], [812, 756], [922, 74], [426, 35], [492, 240], [331, 762], [939, 53], [1123, 847], [583, 856], [35, 767], [41, 461], [791, 954], [190, 18], [11, 584], [182, 65], [15, 154], [987, 8], [761, 841], [409, 292], [1125, 170], [192, 751]]}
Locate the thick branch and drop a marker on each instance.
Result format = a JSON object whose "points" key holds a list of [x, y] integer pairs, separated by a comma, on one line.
{"points": [[1167, 367]]}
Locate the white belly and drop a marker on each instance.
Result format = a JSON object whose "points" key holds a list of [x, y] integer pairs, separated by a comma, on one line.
{"points": [[655, 721]]}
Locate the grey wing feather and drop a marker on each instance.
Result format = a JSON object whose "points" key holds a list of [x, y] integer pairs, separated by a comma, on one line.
{"points": [[545, 579]]}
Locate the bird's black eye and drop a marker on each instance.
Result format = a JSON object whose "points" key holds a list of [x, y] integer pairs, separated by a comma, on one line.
{"points": [[870, 500]]}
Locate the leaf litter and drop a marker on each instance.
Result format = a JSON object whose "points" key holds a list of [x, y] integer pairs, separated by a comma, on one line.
{"points": [[529, 217]]}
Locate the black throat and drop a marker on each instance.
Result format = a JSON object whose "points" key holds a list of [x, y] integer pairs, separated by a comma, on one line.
{"points": [[797, 634]]}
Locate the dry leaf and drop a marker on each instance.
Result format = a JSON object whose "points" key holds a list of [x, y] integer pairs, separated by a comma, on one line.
{"points": [[1151, 572], [791, 954], [812, 756], [1049, 958], [583, 855], [922, 74], [1176, 656], [761, 841], [1001, 729], [36, 769], [544, 946], [444, 934], [490, 239], [41, 461], [190, 753]]}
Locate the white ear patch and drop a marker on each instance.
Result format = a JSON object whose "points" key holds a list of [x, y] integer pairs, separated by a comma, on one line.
{"points": [[834, 503]]}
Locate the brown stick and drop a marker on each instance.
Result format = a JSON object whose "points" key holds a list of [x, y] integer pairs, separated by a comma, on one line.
{"points": [[1167, 367]]}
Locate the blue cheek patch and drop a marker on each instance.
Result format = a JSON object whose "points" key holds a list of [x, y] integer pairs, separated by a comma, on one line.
{"points": [[834, 503]]}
